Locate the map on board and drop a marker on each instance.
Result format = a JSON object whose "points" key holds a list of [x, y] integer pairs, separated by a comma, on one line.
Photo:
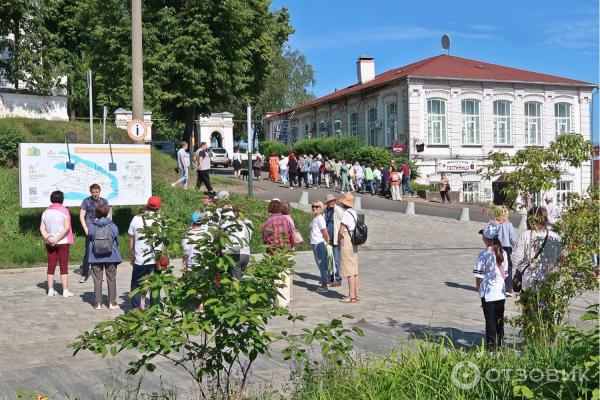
{"points": [[45, 167]]}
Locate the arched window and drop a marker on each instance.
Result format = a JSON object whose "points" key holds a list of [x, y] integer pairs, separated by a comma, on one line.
{"points": [[322, 129], [337, 127], [533, 123], [353, 124], [502, 122], [391, 124], [471, 134], [436, 121], [371, 126], [562, 118]]}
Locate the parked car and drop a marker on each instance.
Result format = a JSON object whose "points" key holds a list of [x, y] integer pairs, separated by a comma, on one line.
{"points": [[219, 157]]}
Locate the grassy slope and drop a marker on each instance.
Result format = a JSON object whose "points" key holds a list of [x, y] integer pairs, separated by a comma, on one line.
{"points": [[19, 228]]}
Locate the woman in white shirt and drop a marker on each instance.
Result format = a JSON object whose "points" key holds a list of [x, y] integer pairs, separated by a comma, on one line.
{"points": [[490, 270], [348, 251], [318, 239], [58, 236]]}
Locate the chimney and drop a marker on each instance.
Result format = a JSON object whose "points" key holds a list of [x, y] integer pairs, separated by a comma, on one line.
{"points": [[365, 69]]}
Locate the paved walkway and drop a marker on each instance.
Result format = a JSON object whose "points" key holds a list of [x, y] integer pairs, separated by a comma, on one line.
{"points": [[415, 278]]}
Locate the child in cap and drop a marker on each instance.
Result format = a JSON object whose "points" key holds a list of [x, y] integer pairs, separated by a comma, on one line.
{"points": [[189, 243], [489, 271]]}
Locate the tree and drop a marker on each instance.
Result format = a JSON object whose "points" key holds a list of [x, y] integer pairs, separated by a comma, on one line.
{"points": [[536, 170], [34, 55]]}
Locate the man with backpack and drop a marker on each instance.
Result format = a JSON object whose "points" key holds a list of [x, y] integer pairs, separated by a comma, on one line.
{"points": [[104, 256], [86, 217]]}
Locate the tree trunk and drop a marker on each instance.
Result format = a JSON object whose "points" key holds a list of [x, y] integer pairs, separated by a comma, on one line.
{"points": [[189, 130]]}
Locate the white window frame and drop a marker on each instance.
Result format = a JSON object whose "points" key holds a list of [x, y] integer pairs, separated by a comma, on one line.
{"points": [[502, 121], [436, 123], [337, 127], [353, 125], [562, 123], [322, 128], [371, 131], [471, 192], [471, 126], [533, 124], [563, 189], [391, 124]]}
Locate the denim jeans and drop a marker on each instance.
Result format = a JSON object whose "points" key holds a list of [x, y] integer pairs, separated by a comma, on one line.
{"points": [[283, 174], [406, 186], [320, 253], [336, 265], [137, 274], [369, 186], [184, 177], [315, 179]]}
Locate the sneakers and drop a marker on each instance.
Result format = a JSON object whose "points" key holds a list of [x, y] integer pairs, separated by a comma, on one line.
{"points": [[114, 307], [51, 292], [82, 279], [98, 307], [322, 289], [67, 293]]}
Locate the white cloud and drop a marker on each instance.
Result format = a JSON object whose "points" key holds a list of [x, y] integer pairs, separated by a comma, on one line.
{"points": [[576, 35]]}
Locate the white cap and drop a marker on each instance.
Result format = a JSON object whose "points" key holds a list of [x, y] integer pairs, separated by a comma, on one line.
{"points": [[223, 194]]}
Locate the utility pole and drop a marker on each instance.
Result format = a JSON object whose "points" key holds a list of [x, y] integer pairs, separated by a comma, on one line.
{"points": [[89, 82], [137, 66], [250, 144]]}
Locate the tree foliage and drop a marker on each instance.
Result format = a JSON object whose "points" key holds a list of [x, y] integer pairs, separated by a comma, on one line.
{"points": [[212, 326], [534, 170]]}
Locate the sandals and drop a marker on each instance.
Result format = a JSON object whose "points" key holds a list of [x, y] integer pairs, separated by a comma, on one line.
{"points": [[349, 300]]}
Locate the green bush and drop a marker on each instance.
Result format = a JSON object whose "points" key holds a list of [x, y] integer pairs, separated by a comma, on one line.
{"points": [[568, 368], [9, 145], [269, 147]]}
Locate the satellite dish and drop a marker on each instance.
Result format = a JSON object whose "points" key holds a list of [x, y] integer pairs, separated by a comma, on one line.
{"points": [[446, 43]]}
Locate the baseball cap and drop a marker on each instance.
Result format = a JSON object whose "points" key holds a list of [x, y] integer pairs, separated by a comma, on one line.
{"points": [[490, 231], [197, 217], [153, 203], [223, 194], [275, 199]]}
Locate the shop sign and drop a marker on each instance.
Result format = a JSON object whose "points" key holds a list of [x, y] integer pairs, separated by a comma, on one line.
{"points": [[456, 166]]}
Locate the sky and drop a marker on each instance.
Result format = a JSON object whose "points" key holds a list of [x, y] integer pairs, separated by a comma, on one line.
{"points": [[557, 37]]}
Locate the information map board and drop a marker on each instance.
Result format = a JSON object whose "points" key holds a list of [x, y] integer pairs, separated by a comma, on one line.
{"points": [[125, 179]]}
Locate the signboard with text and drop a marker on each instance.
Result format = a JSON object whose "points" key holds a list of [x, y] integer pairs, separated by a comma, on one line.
{"points": [[456, 165]]}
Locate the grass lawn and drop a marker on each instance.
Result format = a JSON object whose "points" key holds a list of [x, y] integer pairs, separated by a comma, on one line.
{"points": [[19, 228]]}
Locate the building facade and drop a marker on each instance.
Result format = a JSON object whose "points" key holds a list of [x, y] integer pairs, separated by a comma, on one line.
{"points": [[448, 113]]}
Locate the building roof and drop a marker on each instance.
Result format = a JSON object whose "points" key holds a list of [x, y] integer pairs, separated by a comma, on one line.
{"points": [[447, 67]]}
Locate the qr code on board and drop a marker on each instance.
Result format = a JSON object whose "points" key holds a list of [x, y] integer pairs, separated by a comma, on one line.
{"points": [[33, 191]]}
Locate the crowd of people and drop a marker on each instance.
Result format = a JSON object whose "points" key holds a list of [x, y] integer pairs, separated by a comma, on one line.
{"points": [[329, 236], [343, 175]]}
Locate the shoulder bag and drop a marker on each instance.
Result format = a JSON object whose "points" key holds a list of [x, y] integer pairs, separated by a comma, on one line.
{"points": [[518, 278]]}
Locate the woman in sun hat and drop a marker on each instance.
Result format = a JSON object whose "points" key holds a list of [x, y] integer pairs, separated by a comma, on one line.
{"points": [[348, 251]]}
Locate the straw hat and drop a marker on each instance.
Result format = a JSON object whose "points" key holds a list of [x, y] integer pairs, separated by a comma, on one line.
{"points": [[347, 200]]}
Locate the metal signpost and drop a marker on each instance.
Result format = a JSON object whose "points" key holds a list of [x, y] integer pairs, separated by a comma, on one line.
{"points": [[250, 143]]}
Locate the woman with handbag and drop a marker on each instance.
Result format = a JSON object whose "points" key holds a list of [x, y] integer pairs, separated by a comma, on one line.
{"points": [[319, 237], [536, 255]]}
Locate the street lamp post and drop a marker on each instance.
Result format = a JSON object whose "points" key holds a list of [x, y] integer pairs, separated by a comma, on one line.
{"points": [[250, 144]]}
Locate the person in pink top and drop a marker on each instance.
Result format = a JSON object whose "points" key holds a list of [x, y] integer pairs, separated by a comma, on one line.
{"points": [[57, 233]]}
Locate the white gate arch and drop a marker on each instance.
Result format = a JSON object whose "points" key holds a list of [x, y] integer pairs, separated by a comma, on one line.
{"points": [[221, 123]]}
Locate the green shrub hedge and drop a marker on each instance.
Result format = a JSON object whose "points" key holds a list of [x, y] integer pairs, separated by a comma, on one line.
{"points": [[9, 145]]}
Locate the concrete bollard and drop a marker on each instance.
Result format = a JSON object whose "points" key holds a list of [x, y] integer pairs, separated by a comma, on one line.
{"points": [[523, 222], [304, 198], [357, 203], [464, 215], [410, 208]]}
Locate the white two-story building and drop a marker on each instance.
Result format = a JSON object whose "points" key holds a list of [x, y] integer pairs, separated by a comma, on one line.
{"points": [[447, 113]]}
